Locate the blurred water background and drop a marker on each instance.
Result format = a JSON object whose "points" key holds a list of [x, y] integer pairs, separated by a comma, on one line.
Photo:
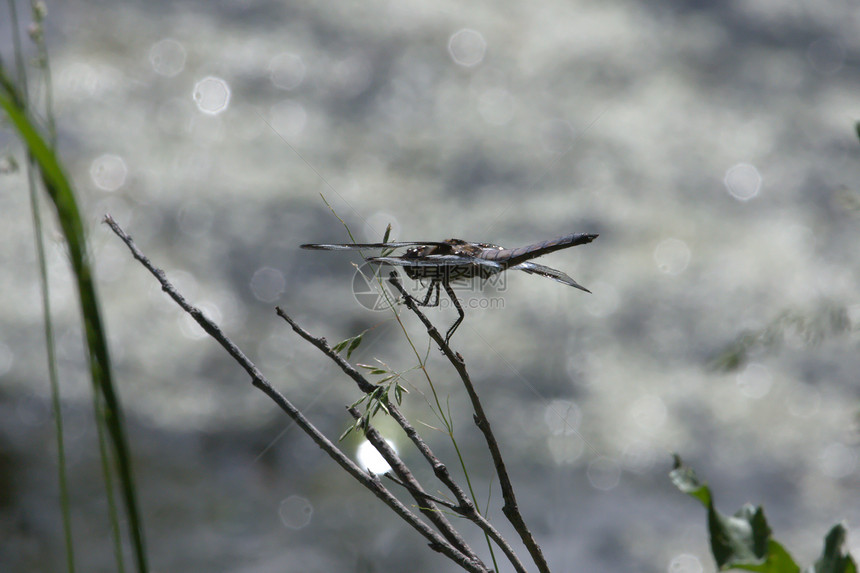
{"points": [[711, 145]]}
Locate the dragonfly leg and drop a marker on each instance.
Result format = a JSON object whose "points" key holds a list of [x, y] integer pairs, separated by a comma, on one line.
{"points": [[459, 308], [434, 285]]}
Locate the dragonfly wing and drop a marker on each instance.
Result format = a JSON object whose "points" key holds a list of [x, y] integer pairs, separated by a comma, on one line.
{"points": [[357, 246], [536, 269], [496, 266], [439, 261]]}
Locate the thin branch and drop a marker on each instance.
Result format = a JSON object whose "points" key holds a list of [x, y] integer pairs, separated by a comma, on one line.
{"points": [[466, 507], [427, 496], [510, 508], [414, 487], [437, 543]]}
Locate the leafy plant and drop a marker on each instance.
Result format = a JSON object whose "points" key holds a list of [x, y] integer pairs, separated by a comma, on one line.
{"points": [[113, 444], [743, 540]]}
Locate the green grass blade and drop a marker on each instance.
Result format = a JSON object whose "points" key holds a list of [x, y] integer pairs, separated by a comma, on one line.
{"points": [[60, 191], [53, 378], [47, 321], [107, 474]]}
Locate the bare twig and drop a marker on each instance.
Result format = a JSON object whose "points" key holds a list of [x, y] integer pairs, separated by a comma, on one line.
{"points": [[423, 494], [466, 508], [511, 508], [414, 487], [437, 542]]}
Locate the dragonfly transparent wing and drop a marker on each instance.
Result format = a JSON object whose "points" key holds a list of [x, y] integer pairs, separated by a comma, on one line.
{"points": [[440, 261], [536, 269], [356, 246]]}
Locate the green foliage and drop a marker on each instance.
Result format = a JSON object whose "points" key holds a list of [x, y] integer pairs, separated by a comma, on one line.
{"points": [[385, 238], [832, 560], [59, 189], [743, 540], [350, 344], [811, 327], [388, 388]]}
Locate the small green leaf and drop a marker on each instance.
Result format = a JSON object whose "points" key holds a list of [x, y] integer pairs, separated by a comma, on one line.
{"points": [[398, 393], [373, 370], [356, 341], [340, 345], [832, 560], [685, 480], [385, 239], [350, 344], [347, 432], [740, 541]]}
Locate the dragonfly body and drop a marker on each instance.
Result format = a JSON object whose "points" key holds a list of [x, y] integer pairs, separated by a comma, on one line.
{"points": [[455, 259]]}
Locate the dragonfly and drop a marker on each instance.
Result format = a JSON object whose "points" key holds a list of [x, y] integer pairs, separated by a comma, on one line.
{"points": [[453, 260]]}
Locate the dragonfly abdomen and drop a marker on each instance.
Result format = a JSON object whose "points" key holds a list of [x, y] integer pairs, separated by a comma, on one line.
{"points": [[513, 257]]}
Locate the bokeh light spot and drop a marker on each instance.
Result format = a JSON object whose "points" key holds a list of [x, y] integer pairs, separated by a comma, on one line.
{"points": [[565, 449], [268, 284], [212, 95], [167, 57], [672, 256], [288, 118], [467, 47], [371, 460], [562, 417], [826, 55], [603, 473], [287, 71], [295, 512], [743, 181], [108, 172], [838, 460]]}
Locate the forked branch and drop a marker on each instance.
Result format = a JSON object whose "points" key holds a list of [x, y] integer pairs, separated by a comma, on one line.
{"points": [[511, 508], [465, 506], [466, 560]]}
